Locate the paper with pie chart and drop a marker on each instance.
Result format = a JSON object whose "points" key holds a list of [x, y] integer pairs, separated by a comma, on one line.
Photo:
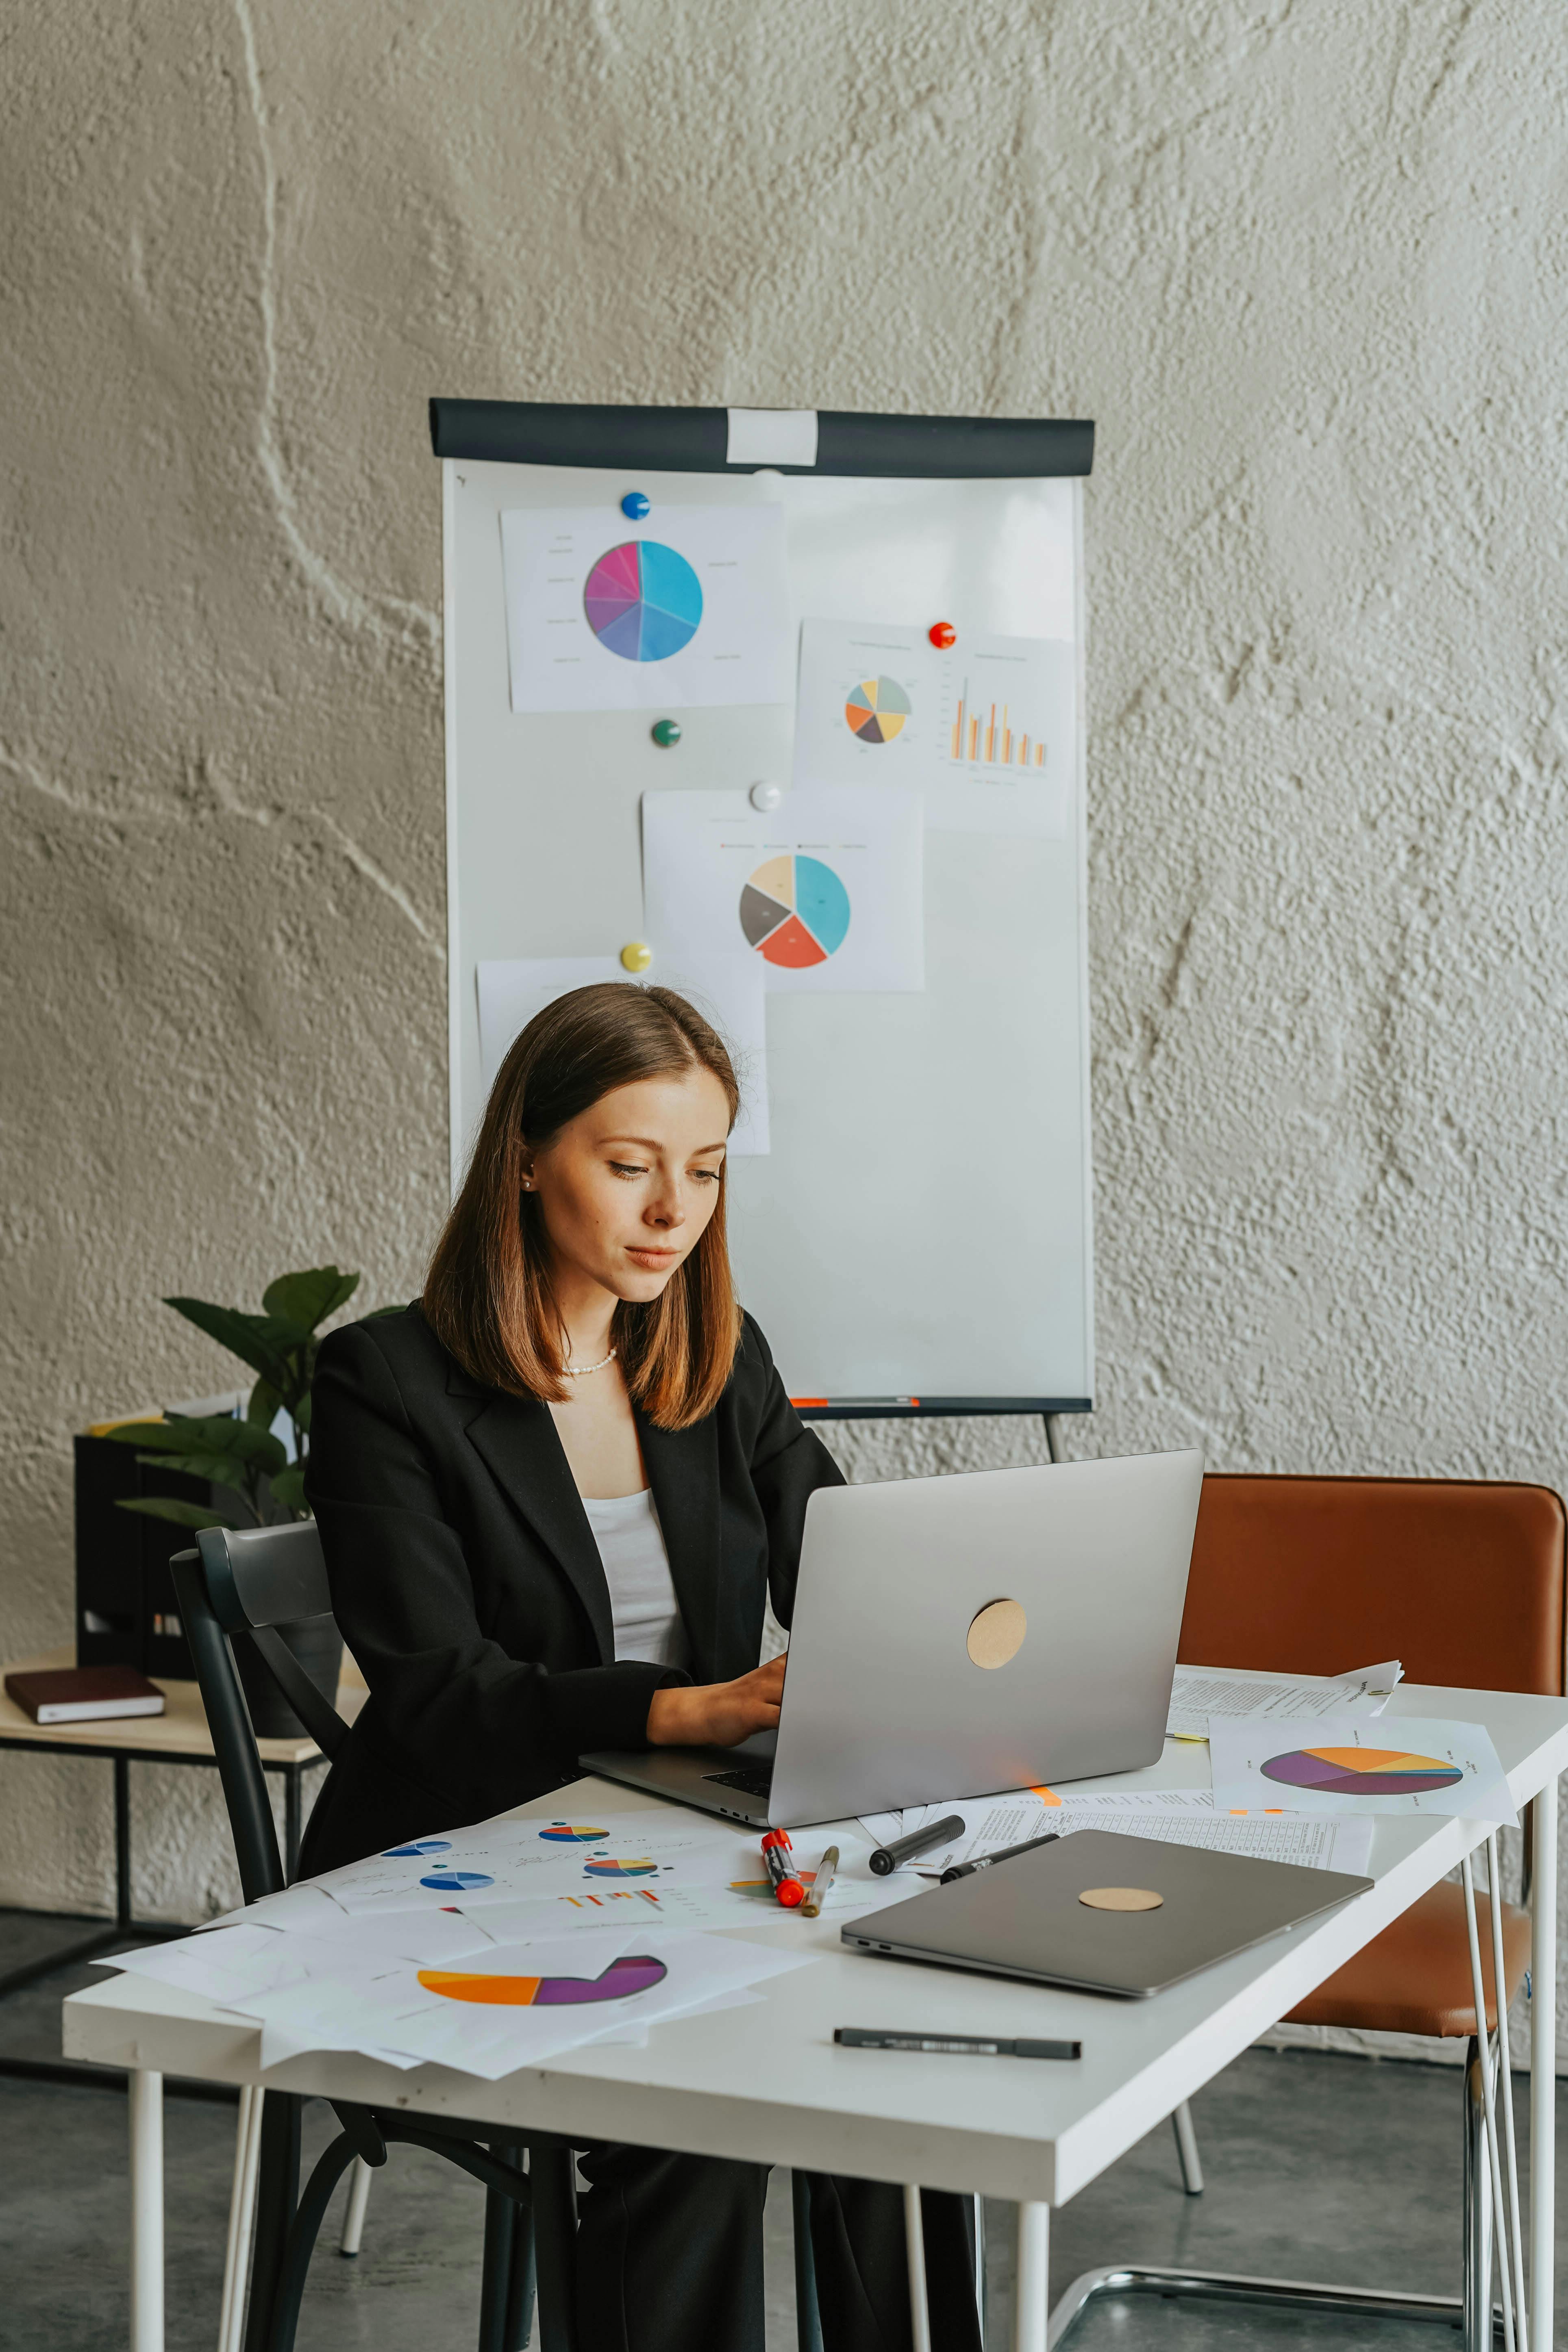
{"points": [[1353, 1764], [688, 608], [987, 729], [727, 990], [826, 890]]}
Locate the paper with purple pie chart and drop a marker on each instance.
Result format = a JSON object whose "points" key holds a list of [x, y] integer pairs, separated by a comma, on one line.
{"points": [[686, 609], [1341, 1764]]}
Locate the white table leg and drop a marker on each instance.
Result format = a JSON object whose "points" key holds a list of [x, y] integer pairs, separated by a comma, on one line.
{"points": [[915, 2255], [354, 2212], [1542, 2064], [242, 2218], [1031, 2282], [146, 2211], [235, 2197]]}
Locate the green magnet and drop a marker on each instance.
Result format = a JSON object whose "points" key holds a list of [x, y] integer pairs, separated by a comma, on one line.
{"points": [[666, 733]]}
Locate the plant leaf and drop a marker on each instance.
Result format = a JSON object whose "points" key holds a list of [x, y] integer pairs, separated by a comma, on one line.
{"points": [[264, 1405], [218, 1432], [257, 1339], [308, 1298], [182, 1514], [301, 1414], [289, 1488], [217, 1469], [157, 1434]]}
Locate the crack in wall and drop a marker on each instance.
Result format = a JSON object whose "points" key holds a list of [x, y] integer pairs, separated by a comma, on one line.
{"points": [[413, 626], [362, 863]]}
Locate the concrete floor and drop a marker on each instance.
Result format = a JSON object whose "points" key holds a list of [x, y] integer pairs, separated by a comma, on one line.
{"points": [[1318, 2166]]}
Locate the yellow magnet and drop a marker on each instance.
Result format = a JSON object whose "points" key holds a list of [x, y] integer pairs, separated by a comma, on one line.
{"points": [[636, 955]]}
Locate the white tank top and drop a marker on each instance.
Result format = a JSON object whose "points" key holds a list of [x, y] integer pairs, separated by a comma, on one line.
{"points": [[636, 1570]]}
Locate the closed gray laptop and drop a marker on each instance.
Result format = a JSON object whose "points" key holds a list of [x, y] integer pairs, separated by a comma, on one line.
{"points": [[1100, 1912], [958, 1635]]}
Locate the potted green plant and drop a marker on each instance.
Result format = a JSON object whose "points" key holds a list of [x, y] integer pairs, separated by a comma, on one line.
{"points": [[241, 1454]]}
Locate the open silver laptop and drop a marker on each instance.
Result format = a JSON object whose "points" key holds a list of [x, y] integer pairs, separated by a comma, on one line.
{"points": [[957, 1635]]}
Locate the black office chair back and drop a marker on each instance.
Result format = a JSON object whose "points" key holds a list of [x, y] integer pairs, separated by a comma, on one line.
{"points": [[240, 1584]]}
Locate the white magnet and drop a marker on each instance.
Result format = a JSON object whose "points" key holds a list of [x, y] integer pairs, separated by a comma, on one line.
{"points": [[766, 796]]}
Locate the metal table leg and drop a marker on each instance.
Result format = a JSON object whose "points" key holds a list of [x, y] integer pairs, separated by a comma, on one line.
{"points": [[1542, 2064], [122, 1843], [291, 1822], [1031, 2279], [915, 2260], [147, 2213]]}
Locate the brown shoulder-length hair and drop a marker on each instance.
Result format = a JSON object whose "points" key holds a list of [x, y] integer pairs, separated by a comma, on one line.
{"points": [[488, 1296]]}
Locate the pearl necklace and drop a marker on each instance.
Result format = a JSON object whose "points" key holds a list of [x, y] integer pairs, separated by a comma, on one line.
{"points": [[581, 1372]]}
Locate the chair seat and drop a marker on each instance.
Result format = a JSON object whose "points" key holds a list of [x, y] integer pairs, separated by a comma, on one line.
{"points": [[1415, 1976]]}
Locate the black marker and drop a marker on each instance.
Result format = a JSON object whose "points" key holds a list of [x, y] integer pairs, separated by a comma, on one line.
{"points": [[888, 1857], [964, 1869], [957, 2045]]}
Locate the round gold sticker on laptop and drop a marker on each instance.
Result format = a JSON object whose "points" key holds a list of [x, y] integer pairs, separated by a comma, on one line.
{"points": [[997, 1633], [1122, 1898]]}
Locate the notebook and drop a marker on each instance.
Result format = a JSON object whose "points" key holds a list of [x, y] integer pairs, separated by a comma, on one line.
{"points": [[84, 1694], [1103, 1913]]}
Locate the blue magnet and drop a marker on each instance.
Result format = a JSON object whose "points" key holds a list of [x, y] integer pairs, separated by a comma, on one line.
{"points": [[635, 505]]}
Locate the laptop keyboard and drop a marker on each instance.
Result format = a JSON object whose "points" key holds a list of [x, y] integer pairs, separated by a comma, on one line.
{"points": [[756, 1781]]}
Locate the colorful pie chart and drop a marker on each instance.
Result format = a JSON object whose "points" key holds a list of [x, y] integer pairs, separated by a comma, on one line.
{"points": [[633, 1973], [1362, 1771], [605, 1865], [457, 1881], [876, 710], [643, 601], [570, 1833], [412, 1851], [794, 911]]}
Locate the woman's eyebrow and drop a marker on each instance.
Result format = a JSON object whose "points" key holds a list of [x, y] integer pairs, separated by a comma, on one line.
{"points": [[648, 1143]]}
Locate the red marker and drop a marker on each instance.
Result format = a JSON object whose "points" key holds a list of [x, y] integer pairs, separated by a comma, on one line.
{"points": [[943, 635], [776, 1855]]}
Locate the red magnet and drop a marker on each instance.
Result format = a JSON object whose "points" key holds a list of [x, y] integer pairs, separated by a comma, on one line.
{"points": [[942, 634]]}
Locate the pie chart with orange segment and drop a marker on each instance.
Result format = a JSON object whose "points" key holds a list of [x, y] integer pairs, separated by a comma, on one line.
{"points": [[633, 1973], [876, 709], [794, 911], [1362, 1771]]}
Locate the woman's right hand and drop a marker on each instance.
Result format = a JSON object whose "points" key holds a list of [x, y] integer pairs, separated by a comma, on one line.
{"points": [[717, 1714]]}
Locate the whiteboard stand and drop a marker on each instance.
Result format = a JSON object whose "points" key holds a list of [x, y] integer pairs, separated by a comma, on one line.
{"points": [[900, 1121]]}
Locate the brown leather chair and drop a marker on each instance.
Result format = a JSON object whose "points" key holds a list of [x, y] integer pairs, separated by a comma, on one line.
{"points": [[1462, 1579]]}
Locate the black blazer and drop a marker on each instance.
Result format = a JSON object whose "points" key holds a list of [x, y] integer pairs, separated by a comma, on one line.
{"points": [[467, 1583]]}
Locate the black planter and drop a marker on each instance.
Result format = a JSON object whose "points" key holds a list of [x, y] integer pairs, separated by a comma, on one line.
{"points": [[319, 1646]]}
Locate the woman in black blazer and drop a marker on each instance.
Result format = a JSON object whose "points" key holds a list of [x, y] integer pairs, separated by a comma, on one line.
{"points": [[578, 1339]]}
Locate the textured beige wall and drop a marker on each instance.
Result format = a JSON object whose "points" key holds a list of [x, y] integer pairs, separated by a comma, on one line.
{"points": [[1304, 263]]}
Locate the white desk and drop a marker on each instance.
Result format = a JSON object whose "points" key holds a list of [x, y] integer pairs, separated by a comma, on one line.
{"points": [[1034, 2133]]}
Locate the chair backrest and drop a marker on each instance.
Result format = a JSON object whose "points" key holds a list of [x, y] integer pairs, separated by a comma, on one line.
{"points": [[242, 1583], [1461, 1579]]}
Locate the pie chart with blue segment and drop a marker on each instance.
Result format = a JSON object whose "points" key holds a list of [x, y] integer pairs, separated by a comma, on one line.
{"points": [[643, 601], [794, 911]]}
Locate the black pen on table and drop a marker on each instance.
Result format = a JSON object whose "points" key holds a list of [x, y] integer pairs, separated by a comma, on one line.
{"points": [[888, 1857], [965, 1869], [956, 2045]]}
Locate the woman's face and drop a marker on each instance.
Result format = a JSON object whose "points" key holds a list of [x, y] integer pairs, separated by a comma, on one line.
{"points": [[628, 1187]]}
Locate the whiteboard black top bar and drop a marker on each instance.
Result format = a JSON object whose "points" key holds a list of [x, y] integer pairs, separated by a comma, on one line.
{"points": [[697, 440]]}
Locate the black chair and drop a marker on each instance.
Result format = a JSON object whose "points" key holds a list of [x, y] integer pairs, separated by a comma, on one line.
{"points": [[243, 1585]]}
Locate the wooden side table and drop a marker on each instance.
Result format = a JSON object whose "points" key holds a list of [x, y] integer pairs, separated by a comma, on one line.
{"points": [[178, 1736]]}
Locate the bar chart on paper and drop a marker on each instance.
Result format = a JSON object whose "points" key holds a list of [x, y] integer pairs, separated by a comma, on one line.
{"points": [[984, 734], [986, 729]]}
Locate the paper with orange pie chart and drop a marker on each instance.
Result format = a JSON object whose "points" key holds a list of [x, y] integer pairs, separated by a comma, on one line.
{"points": [[826, 890], [1346, 1763], [510, 2005]]}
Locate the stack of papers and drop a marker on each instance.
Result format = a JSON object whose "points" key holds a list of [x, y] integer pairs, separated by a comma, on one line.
{"points": [[1201, 1693], [501, 1945], [1181, 1816]]}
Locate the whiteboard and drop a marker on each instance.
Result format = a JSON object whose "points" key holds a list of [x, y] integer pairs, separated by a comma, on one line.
{"points": [[918, 1235]]}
